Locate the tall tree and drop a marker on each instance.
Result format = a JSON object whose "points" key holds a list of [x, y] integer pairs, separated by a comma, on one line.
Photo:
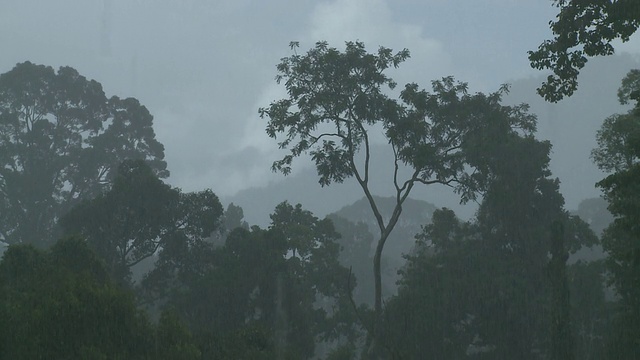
{"points": [[141, 215], [618, 152], [480, 288], [61, 140], [336, 98], [516, 221], [436, 309], [582, 29]]}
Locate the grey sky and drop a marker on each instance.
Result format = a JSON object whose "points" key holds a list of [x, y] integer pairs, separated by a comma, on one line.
{"points": [[204, 67]]}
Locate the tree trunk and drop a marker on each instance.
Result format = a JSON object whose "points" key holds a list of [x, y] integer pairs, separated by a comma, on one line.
{"points": [[375, 347]]}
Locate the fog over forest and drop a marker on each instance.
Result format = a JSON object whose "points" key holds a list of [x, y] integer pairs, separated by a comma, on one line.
{"points": [[335, 179], [204, 68]]}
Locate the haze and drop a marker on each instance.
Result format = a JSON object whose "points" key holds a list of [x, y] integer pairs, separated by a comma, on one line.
{"points": [[203, 68]]}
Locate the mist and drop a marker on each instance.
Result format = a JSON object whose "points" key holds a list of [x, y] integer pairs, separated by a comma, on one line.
{"points": [[139, 180]]}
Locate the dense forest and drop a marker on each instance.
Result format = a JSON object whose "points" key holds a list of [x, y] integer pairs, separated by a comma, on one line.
{"points": [[104, 259]]}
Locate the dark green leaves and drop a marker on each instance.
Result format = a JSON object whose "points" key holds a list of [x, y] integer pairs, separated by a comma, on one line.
{"points": [[64, 306], [333, 95], [619, 137], [61, 140], [618, 151], [336, 98], [582, 29], [141, 215]]}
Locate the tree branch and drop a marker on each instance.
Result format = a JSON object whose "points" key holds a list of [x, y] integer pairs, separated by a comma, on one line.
{"points": [[315, 139]]}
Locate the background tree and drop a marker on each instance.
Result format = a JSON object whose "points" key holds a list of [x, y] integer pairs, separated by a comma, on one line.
{"points": [[433, 312], [594, 212], [141, 215], [582, 29], [61, 140], [335, 98], [355, 242], [591, 313], [61, 304], [52, 307], [618, 152], [479, 289], [234, 218], [516, 218], [284, 285]]}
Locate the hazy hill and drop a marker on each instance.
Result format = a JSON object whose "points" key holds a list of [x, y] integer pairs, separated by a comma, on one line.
{"points": [[415, 213], [360, 233]]}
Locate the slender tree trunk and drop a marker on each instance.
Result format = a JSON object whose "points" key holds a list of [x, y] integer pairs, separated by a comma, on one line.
{"points": [[376, 345]]}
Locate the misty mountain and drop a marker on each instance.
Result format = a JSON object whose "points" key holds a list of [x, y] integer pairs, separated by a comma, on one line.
{"points": [[415, 214], [359, 235]]}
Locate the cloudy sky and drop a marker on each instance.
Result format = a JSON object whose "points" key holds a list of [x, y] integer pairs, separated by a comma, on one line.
{"points": [[204, 67]]}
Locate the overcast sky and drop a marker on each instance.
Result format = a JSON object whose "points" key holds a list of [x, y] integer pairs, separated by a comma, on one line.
{"points": [[204, 67]]}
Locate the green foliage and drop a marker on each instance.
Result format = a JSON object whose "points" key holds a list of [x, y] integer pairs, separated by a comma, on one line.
{"points": [[590, 313], [618, 143], [619, 152], [264, 293], [487, 289], [335, 99], [61, 140], [141, 215], [250, 343], [61, 304], [582, 29], [356, 223], [344, 352], [173, 341], [432, 312], [342, 89], [561, 335]]}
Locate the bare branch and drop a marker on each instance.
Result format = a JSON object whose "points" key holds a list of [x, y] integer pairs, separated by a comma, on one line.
{"points": [[436, 181], [315, 139]]}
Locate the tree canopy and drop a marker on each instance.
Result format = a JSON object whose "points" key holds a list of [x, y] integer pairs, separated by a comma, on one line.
{"points": [[61, 141], [335, 99], [285, 280], [487, 288], [582, 29], [61, 304], [618, 153], [139, 216]]}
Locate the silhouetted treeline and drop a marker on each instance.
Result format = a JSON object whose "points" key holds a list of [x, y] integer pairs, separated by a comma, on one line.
{"points": [[512, 283]]}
